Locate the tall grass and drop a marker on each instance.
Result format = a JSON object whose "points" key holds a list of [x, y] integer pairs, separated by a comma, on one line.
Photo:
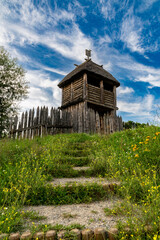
{"points": [[132, 157]]}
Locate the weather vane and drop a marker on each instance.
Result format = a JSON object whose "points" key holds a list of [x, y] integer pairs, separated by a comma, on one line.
{"points": [[88, 54]]}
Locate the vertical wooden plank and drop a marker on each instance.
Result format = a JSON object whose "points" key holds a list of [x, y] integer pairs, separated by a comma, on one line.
{"points": [[41, 121], [15, 126], [86, 117], [37, 122], [52, 120], [25, 124], [102, 91], [80, 117], [85, 92], [46, 121], [105, 131], [29, 124], [98, 123], [114, 96], [32, 124], [72, 94], [22, 126]]}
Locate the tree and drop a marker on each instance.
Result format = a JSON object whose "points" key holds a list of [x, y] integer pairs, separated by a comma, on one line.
{"points": [[132, 125], [13, 88]]}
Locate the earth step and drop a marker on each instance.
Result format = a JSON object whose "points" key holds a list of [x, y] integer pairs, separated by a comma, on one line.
{"points": [[76, 152], [79, 146], [81, 168], [76, 161], [82, 180], [91, 215]]}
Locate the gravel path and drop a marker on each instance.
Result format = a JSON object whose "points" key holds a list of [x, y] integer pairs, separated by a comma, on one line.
{"points": [[81, 180], [91, 215]]}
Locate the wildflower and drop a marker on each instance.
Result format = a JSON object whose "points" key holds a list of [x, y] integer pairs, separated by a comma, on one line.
{"points": [[157, 133], [136, 155], [155, 237]]}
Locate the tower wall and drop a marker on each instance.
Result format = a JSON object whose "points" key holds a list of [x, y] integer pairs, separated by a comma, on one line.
{"points": [[87, 119]]}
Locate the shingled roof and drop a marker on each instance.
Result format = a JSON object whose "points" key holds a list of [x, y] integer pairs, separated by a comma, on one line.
{"points": [[89, 66]]}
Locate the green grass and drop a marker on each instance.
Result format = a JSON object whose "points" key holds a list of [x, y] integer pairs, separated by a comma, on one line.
{"points": [[131, 156], [49, 195]]}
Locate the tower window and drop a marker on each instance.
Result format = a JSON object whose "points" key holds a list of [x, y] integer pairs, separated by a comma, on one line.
{"points": [[93, 82], [108, 87]]}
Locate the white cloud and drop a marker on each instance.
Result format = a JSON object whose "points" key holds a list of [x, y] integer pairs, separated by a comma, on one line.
{"points": [[105, 39], [124, 90], [131, 32], [107, 9], [141, 107], [145, 5], [54, 70], [27, 20], [42, 91], [108, 66], [154, 80]]}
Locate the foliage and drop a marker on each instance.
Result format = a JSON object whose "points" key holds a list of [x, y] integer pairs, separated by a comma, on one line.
{"points": [[132, 125], [13, 87]]}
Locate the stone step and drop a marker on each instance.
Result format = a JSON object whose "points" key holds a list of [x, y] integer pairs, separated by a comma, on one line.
{"points": [[75, 161], [76, 152], [91, 215], [83, 168], [73, 190], [107, 184], [80, 145]]}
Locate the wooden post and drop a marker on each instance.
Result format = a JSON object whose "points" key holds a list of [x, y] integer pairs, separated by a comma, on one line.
{"points": [[15, 126], [71, 92], [102, 91], [85, 90], [114, 96], [22, 125]]}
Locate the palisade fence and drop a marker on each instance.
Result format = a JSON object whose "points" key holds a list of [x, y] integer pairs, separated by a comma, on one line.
{"points": [[40, 122]]}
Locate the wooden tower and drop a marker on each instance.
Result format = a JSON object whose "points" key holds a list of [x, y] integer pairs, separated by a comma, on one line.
{"points": [[89, 94]]}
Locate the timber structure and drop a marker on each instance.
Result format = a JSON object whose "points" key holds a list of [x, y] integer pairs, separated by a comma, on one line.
{"points": [[89, 95], [88, 105]]}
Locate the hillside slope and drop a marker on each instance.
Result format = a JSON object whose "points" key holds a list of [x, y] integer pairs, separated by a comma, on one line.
{"points": [[29, 169]]}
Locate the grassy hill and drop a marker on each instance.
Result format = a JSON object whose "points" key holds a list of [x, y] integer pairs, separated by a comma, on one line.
{"points": [[131, 157]]}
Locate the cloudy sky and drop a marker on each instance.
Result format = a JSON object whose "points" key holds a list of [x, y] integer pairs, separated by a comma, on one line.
{"points": [[49, 36]]}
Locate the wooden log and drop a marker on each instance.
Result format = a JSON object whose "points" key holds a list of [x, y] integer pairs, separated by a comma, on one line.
{"points": [[15, 126], [32, 124], [22, 125], [25, 125], [85, 86], [38, 121]]}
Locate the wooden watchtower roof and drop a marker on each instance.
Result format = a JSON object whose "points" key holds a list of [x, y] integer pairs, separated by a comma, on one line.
{"points": [[89, 67]]}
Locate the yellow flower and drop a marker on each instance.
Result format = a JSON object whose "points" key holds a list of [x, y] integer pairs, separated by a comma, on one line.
{"points": [[157, 133], [155, 237], [136, 155]]}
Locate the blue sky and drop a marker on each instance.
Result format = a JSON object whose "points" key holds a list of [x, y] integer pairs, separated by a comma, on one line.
{"points": [[48, 37]]}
